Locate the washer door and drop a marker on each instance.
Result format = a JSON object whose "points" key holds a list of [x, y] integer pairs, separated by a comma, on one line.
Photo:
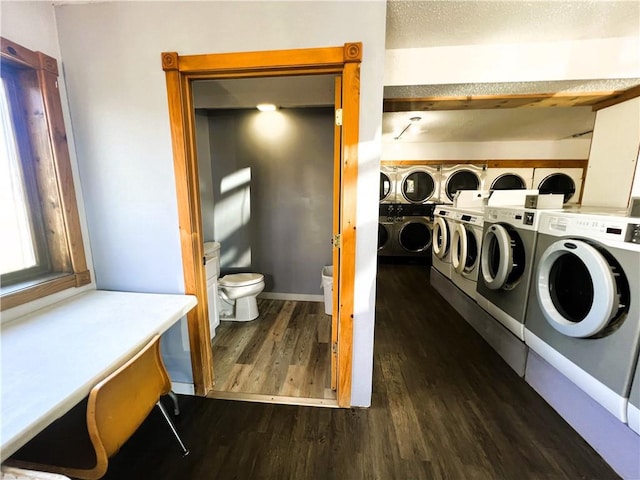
{"points": [[508, 181], [579, 289], [461, 180], [440, 237], [502, 259], [560, 183], [458, 248], [414, 237], [385, 186], [418, 187]]}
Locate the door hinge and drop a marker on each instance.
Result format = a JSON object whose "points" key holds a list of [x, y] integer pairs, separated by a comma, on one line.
{"points": [[334, 348], [336, 240], [339, 117]]}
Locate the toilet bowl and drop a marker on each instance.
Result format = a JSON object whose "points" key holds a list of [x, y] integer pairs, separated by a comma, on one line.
{"points": [[237, 293]]}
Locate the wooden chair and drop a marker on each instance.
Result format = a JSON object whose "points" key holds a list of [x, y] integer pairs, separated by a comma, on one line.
{"points": [[115, 408]]}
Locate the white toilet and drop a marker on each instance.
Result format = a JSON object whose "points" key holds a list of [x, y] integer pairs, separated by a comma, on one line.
{"points": [[237, 293]]}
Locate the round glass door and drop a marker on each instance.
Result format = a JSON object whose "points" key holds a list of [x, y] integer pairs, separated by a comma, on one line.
{"points": [[582, 290], [415, 237], [502, 258], [385, 186], [559, 183], [508, 181], [462, 180], [440, 237], [418, 187]]}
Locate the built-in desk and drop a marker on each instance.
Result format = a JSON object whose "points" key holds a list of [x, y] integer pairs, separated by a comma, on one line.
{"points": [[52, 358]]}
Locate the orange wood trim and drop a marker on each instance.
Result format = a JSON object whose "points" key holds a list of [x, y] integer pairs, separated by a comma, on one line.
{"points": [[260, 61], [40, 290], [259, 64], [632, 92], [508, 163], [471, 102], [62, 162], [350, 142], [201, 357], [337, 171], [17, 54]]}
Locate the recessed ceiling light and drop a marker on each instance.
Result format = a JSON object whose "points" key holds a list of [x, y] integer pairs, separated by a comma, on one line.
{"points": [[267, 107]]}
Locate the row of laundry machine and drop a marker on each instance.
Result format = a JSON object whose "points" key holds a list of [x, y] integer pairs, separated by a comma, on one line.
{"points": [[565, 281], [409, 195]]}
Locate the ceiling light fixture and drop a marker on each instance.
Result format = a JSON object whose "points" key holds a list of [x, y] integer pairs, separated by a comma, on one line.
{"points": [[412, 120], [266, 107]]}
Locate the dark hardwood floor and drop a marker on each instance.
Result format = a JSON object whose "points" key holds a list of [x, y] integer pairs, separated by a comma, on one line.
{"points": [[285, 352], [445, 406]]}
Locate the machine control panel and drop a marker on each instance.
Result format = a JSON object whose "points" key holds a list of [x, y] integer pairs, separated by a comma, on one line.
{"points": [[591, 226], [518, 217], [633, 233]]}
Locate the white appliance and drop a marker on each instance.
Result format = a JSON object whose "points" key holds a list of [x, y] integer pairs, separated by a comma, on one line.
{"points": [[387, 184], [443, 227], [465, 250], [584, 310], [212, 269], [460, 177], [418, 184], [566, 181], [508, 178], [506, 259]]}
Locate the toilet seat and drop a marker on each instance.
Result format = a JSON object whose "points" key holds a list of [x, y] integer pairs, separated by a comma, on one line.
{"points": [[240, 279]]}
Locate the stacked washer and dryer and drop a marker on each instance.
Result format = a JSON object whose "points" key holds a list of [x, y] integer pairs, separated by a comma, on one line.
{"points": [[408, 195]]}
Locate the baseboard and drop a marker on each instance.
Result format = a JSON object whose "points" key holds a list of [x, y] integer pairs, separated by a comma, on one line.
{"points": [[511, 349], [300, 297], [614, 441], [278, 399]]}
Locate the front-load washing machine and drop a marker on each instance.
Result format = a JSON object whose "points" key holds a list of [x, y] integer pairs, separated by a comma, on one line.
{"points": [[506, 260], [460, 177], [633, 409], [387, 184], [508, 179], [584, 310], [465, 250], [444, 223], [566, 181], [418, 184]]}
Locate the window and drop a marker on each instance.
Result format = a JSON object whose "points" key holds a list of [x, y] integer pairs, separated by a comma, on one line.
{"points": [[42, 251]]}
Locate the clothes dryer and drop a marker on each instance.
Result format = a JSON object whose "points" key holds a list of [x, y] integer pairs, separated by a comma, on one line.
{"points": [[443, 226], [506, 261], [508, 179], [414, 230], [584, 313], [633, 409], [566, 181], [460, 177], [386, 230], [465, 250], [387, 184], [418, 184]]}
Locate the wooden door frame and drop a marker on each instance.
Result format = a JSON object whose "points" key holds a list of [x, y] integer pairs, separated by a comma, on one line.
{"points": [[180, 71]]}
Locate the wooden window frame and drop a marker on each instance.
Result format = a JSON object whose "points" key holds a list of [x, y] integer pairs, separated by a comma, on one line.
{"points": [[180, 71], [37, 81]]}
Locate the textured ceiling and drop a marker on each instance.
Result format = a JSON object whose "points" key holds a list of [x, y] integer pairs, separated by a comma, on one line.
{"points": [[427, 23]]}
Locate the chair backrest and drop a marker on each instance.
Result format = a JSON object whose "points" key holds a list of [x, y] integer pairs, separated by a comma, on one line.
{"points": [[119, 404]]}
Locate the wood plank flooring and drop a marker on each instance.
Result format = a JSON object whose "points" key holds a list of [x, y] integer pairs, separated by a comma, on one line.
{"points": [[285, 352], [445, 406]]}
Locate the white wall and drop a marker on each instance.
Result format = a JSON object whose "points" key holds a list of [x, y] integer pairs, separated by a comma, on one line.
{"points": [[572, 149], [532, 62], [207, 199], [33, 25], [118, 101], [614, 155]]}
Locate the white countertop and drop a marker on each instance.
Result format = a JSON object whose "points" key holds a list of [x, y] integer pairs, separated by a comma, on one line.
{"points": [[51, 358]]}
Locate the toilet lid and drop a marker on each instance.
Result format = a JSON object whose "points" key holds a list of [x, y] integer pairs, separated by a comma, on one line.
{"points": [[240, 279]]}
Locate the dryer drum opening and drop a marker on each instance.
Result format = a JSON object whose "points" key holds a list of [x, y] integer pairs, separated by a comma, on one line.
{"points": [[415, 237], [581, 290]]}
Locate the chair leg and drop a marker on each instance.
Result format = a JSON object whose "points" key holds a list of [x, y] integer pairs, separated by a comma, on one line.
{"points": [[185, 452], [174, 398]]}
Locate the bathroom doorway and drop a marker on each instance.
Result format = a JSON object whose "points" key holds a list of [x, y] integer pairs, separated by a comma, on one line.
{"points": [[266, 180], [344, 63]]}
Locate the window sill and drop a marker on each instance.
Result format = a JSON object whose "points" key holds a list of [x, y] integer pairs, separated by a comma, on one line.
{"points": [[23, 292]]}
